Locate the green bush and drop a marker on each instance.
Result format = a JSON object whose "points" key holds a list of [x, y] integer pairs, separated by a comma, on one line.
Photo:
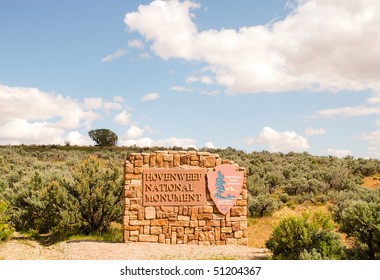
{"points": [[95, 192], [305, 237], [5, 230], [361, 220], [38, 202]]}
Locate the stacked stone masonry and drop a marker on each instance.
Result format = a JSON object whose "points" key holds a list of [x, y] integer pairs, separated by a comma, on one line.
{"points": [[203, 225]]}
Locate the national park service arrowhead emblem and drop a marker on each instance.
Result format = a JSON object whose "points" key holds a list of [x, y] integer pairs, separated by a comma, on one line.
{"points": [[225, 185]]}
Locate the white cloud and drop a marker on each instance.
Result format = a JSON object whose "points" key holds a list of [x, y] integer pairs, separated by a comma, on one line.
{"points": [[335, 51], [116, 106], [337, 152], [20, 131], [174, 31], [312, 131], [134, 132], [135, 43], [181, 89], [93, 103], [123, 118], [31, 116], [76, 138], [150, 96], [168, 142], [374, 143], [207, 80], [283, 141], [355, 111], [118, 99], [116, 54], [209, 145]]}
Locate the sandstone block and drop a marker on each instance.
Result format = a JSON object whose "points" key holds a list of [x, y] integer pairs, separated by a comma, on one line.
{"points": [[159, 222], [226, 230], [161, 238], [209, 161], [231, 241], [148, 238], [139, 163], [150, 213], [146, 230], [174, 238], [156, 230], [208, 209], [168, 157], [139, 223], [183, 218], [235, 226]]}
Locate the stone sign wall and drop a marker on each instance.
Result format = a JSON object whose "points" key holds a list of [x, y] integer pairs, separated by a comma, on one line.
{"points": [[166, 200]]}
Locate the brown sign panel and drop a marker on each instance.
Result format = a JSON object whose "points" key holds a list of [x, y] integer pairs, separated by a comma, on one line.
{"points": [[225, 185], [174, 187]]}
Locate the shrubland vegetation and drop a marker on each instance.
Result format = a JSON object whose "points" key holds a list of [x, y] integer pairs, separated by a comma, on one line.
{"points": [[64, 190]]}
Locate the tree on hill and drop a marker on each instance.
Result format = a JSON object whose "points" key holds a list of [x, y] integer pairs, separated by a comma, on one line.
{"points": [[103, 137]]}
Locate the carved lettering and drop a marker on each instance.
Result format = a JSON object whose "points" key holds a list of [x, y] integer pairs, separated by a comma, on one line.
{"points": [[174, 187]]}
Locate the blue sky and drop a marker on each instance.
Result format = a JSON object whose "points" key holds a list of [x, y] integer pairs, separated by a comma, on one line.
{"points": [[251, 74]]}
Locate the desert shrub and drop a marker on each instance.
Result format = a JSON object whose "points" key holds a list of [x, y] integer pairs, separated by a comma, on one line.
{"points": [[306, 236], [95, 191], [361, 220], [263, 204], [5, 229], [38, 203]]}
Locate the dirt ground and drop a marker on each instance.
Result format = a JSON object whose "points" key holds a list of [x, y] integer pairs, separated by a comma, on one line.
{"points": [[22, 248]]}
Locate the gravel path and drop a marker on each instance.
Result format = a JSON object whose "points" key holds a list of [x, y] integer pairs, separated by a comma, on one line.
{"points": [[26, 249]]}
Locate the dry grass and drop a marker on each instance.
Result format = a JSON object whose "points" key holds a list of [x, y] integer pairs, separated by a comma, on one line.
{"points": [[372, 182], [260, 229]]}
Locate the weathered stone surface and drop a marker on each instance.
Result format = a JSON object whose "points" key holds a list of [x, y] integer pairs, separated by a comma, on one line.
{"points": [[159, 222], [208, 209], [174, 238], [156, 230], [150, 213], [139, 222], [235, 226], [231, 241], [148, 238], [161, 238], [168, 157], [238, 211], [209, 161]]}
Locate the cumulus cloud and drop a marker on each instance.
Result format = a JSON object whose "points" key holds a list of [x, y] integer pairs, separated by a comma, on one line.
{"points": [[31, 116], [209, 145], [321, 44], [112, 106], [134, 132], [150, 96], [93, 103], [123, 118], [116, 54], [76, 138], [280, 141]]}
